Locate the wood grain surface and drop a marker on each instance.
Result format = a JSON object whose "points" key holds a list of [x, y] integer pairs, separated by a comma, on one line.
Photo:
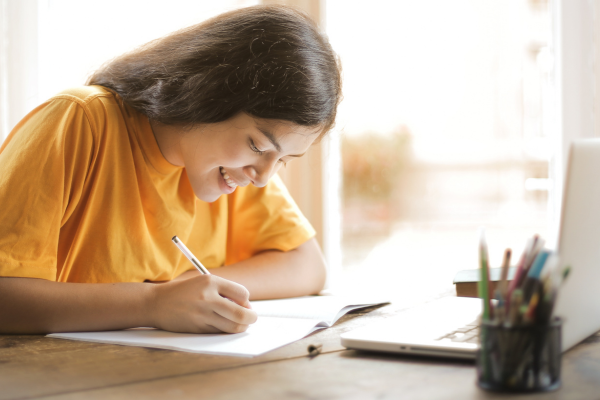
{"points": [[39, 367], [33, 365]]}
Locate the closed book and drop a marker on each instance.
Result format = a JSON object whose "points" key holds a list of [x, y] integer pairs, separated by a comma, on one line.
{"points": [[466, 281]]}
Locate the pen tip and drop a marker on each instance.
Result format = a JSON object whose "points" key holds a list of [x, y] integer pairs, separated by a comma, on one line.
{"points": [[175, 239]]}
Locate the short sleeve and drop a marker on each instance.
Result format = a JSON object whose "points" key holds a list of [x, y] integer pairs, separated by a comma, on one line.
{"points": [[264, 219], [43, 167]]}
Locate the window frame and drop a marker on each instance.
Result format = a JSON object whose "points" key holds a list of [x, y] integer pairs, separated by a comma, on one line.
{"points": [[575, 112]]}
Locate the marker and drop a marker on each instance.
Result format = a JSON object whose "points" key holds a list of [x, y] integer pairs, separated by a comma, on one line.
{"points": [[188, 254], [538, 264]]}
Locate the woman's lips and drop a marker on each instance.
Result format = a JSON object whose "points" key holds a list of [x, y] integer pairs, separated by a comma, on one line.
{"points": [[229, 179], [225, 188]]}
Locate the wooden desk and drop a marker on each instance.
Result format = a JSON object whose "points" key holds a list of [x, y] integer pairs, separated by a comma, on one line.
{"points": [[35, 366]]}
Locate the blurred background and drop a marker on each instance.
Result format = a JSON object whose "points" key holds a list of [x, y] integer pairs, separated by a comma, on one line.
{"points": [[445, 124], [442, 131]]}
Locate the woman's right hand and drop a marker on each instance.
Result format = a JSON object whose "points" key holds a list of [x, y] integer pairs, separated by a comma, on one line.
{"points": [[203, 304]]}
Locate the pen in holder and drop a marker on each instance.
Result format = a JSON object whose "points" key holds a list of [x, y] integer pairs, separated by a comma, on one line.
{"points": [[523, 358], [519, 341]]}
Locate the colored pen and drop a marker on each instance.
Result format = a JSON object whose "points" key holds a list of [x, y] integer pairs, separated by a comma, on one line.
{"points": [[484, 281], [516, 300], [484, 294], [536, 246], [503, 287], [556, 278], [532, 282], [188, 254], [519, 272], [529, 315]]}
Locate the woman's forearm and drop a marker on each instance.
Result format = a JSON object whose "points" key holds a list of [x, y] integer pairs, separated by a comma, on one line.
{"points": [[29, 305], [277, 274], [198, 305]]}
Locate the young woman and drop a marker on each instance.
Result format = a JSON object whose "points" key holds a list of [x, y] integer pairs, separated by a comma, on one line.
{"points": [[182, 136]]}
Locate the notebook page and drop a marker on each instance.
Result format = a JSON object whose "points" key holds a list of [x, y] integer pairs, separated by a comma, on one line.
{"points": [[280, 322], [325, 309], [265, 335]]}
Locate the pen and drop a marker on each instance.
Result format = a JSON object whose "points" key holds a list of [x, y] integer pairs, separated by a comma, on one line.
{"points": [[503, 287], [554, 283], [531, 255], [546, 301], [314, 350], [537, 249], [186, 252], [484, 293], [515, 304], [519, 272], [484, 283], [529, 315], [532, 281]]}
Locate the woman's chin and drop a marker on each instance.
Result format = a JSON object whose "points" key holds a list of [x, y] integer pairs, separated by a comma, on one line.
{"points": [[209, 198], [218, 189]]}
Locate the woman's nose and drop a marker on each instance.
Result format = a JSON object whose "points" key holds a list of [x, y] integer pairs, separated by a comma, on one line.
{"points": [[261, 173], [258, 177]]}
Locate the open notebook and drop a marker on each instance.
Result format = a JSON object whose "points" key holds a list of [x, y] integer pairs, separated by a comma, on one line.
{"points": [[280, 322]]}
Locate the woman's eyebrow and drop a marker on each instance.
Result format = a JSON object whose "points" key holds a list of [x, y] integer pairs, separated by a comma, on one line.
{"points": [[271, 138]]}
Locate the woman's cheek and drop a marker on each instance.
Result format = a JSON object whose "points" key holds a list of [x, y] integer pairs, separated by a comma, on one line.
{"points": [[240, 158]]}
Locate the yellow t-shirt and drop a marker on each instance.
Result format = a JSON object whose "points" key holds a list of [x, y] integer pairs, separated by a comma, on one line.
{"points": [[87, 196]]}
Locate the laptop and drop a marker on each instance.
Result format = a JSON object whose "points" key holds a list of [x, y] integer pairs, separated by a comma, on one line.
{"points": [[448, 327]]}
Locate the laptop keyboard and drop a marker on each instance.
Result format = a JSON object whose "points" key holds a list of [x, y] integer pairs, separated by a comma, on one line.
{"points": [[466, 334]]}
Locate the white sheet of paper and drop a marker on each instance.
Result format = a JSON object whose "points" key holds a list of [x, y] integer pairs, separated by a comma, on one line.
{"points": [[280, 322], [326, 309], [265, 335]]}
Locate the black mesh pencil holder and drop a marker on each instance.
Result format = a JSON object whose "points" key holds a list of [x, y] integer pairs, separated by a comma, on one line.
{"points": [[520, 358]]}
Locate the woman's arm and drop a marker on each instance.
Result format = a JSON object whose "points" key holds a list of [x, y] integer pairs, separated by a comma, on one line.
{"points": [[198, 305], [276, 274]]}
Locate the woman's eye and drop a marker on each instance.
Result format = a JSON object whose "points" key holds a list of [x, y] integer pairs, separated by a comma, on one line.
{"points": [[255, 149], [260, 152]]}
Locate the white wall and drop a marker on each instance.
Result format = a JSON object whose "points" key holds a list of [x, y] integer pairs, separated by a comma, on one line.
{"points": [[18, 61], [575, 49], [47, 46]]}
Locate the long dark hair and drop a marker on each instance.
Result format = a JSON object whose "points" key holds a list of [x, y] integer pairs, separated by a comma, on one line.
{"points": [[268, 61]]}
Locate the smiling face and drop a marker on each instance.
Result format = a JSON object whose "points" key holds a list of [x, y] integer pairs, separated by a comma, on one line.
{"points": [[239, 151]]}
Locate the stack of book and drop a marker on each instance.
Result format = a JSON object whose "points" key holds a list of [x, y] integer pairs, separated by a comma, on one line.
{"points": [[466, 280]]}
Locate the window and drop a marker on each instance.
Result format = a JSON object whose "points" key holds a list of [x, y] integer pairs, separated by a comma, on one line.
{"points": [[441, 132]]}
